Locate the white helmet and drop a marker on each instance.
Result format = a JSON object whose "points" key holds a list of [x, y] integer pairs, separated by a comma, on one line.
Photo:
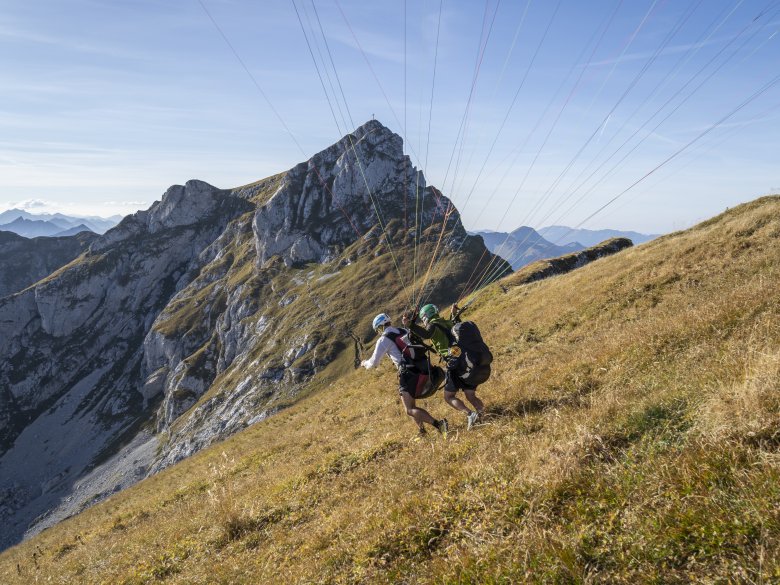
{"points": [[380, 320]]}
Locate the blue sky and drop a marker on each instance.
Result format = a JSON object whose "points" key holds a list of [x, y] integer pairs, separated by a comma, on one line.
{"points": [[105, 103]]}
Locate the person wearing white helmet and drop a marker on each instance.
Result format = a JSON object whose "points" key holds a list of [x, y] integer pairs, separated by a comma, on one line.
{"points": [[394, 342]]}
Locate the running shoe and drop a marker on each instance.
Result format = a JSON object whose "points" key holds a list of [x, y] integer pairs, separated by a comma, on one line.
{"points": [[472, 419]]}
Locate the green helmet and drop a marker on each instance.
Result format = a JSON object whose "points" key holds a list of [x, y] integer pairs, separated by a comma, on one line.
{"points": [[428, 312]]}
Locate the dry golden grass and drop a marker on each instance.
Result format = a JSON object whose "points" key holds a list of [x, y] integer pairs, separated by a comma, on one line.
{"points": [[632, 437]]}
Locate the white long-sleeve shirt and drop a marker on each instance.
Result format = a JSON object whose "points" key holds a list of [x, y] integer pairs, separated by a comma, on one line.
{"points": [[385, 345]]}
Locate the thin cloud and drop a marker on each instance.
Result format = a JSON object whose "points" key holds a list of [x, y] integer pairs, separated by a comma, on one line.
{"points": [[386, 48], [647, 54], [51, 147], [674, 49], [760, 119], [666, 139], [33, 204], [14, 33]]}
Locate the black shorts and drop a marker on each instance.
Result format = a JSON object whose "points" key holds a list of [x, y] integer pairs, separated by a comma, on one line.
{"points": [[463, 374], [453, 383], [407, 381]]}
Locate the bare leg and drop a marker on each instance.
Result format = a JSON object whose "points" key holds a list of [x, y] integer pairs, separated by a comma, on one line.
{"points": [[420, 415], [452, 399], [471, 396]]}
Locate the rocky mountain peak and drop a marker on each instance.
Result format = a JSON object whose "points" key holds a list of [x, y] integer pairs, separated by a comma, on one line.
{"points": [[183, 205], [179, 206], [372, 135], [339, 194]]}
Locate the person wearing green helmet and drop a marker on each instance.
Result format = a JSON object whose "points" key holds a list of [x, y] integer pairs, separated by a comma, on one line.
{"points": [[435, 328], [438, 330]]}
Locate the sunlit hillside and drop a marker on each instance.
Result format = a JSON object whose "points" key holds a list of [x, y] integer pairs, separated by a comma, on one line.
{"points": [[633, 436]]}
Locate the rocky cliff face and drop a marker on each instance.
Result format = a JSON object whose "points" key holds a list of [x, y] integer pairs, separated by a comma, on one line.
{"points": [[72, 349], [322, 205], [205, 314], [25, 261]]}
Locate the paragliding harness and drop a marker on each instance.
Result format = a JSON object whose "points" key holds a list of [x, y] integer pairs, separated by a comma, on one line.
{"points": [[469, 356], [417, 363], [472, 358]]}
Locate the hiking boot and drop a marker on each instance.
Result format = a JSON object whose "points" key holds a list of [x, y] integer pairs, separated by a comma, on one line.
{"points": [[471, 419], [442, 427]]}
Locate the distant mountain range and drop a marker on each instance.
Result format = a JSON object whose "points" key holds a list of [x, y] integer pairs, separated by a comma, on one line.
{"points": [[562, 235], [526, 245], [30, 225]]}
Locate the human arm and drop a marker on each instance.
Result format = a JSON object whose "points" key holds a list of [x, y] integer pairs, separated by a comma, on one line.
{"points": [[382, 346], [409, 319], [433, 330], [422, 332]]}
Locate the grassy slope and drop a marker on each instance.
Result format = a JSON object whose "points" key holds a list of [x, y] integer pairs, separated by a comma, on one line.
{"points": [[633, 437]]}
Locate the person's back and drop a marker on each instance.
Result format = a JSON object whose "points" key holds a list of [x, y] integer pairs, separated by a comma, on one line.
{"points": [[435, 328], [386, 345], [442, 336]]}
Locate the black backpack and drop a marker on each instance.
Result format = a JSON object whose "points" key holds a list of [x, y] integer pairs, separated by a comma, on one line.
{"points": [[414, 355], [469, 340], [473, 366]]}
